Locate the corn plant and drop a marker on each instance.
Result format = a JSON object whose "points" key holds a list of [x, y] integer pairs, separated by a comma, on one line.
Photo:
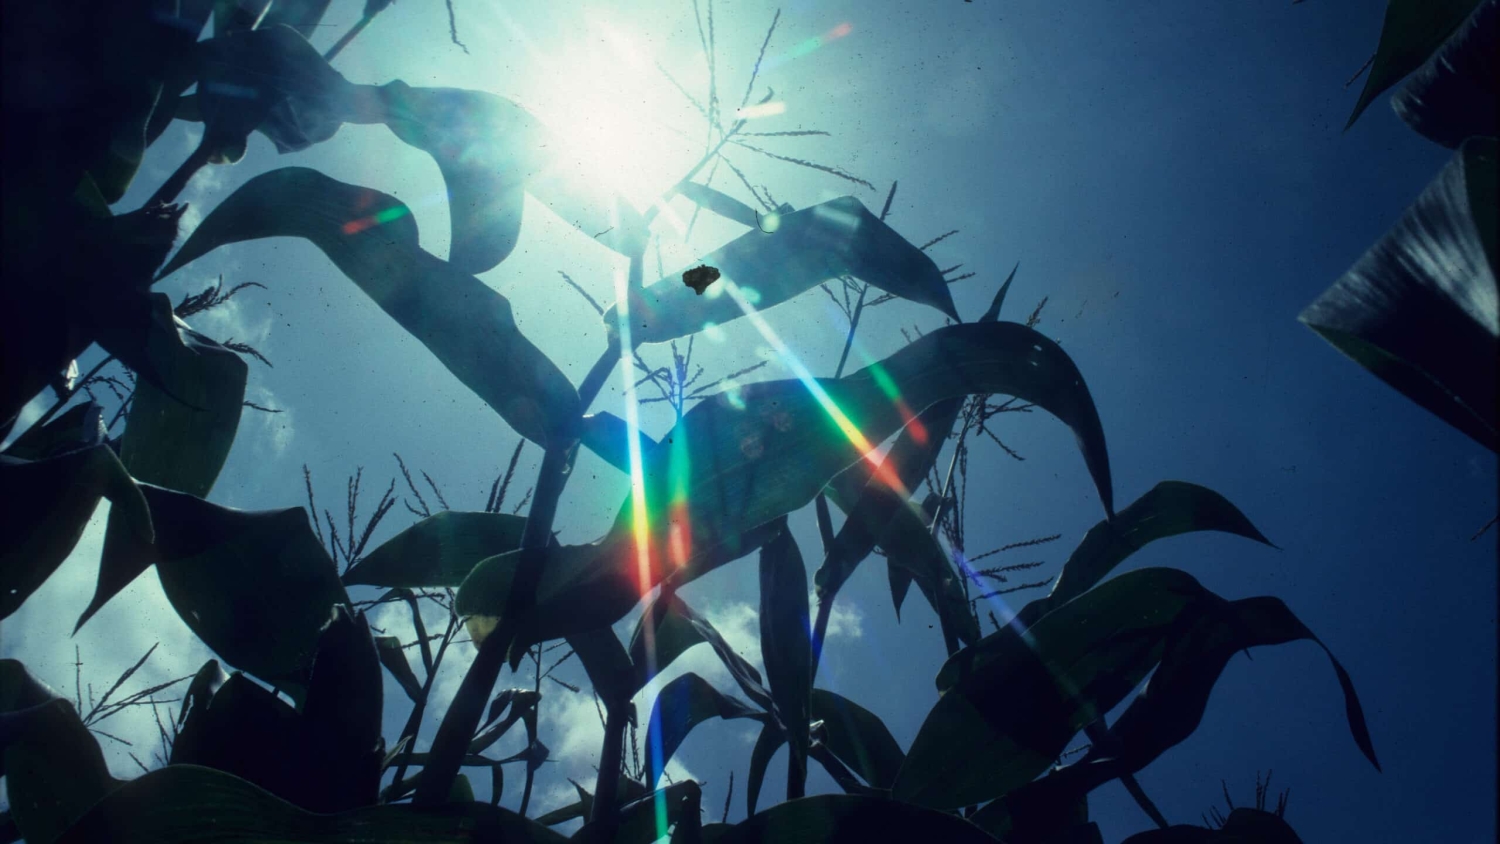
{"points": [[287, 745]]}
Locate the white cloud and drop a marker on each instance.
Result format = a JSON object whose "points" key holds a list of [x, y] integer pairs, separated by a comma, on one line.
{"points": [[39, 635], [846, 619]]}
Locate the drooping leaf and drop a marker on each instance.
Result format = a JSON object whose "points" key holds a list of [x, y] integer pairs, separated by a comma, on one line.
{"points": [[735, 470], [769, 741], [393, 657], [575, 576], [1412, 31], [668, 628], [858, 738], [255, 586], [785, 640], [80, 426], [439, 550], [871, 505], [1172, 704], [169, 806], [813, 245], [179, 431], [719, 203], [1012, 702], [1171, 508], [326, 758], [341, 714], [1419, 310], [849, 819], [49, 503], [1453, 95], [54, 769], [248, 74], [682, 705], [373, 239], [608, 666], [491, 151]]}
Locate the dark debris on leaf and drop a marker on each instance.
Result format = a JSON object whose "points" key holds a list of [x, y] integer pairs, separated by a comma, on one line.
{"points": [[700, 277]]}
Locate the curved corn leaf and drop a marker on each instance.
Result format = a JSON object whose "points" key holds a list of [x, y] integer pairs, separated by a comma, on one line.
{"points": [[179, 431], [735, 471], [1172, 704], [54, 769], [1012, 703], [256, 586], [1419, 310], [439, 550], [1171, 508], [813, 245], [49, 503], [247, 731], [785, 641], [847, 819], [675, 628], [170, 805], [1453, 96], [769, 741], [682, 705], [858, 738], [1412, 31], [372, 238]]}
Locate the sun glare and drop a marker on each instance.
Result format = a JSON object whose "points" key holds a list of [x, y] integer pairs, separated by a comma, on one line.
{"points": [[619, 120]]}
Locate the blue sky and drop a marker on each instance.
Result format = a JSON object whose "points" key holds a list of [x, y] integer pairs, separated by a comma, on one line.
{"points": [[1172, 177]]}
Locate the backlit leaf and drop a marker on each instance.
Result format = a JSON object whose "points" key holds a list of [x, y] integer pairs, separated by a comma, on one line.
{"points": [[858, 738], [255, 586], [675, 628], [1171, 508], [1454, 95], [813, 245], [1412, 31], [1420, 310], [439, 550], [769, 741], [682, 705], [719, 203], [1012, 702], [373, 239], [724, 471], [393, 657], [49, 503]]}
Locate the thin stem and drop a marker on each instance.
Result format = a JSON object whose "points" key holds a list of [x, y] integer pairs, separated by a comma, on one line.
{"points": [[859, 308], [414, 721], [607, 786]]}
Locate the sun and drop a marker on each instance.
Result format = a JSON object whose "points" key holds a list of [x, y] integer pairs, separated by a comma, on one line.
{"points": [[619, 120]]}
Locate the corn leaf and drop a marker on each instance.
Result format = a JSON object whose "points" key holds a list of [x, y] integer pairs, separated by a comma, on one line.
{"points": [[1412, 31], [439, 550], [1454, 95]]}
